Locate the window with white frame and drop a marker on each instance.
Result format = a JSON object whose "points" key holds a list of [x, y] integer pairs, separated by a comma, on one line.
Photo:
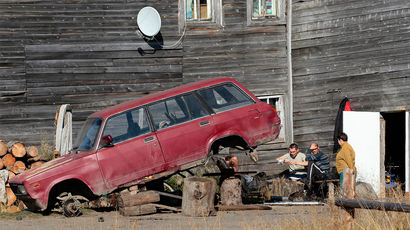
{"points": [[199, 10], [266, 12], [264, 8], [278, 103], [203, 12]]}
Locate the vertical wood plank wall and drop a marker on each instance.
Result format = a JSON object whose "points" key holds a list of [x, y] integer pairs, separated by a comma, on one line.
{"points": [[358, 49]]}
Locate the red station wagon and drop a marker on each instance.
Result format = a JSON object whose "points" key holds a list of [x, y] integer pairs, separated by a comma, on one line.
{"points": [[148, 139]]}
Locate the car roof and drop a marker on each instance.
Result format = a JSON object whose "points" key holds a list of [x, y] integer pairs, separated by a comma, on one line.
{"points": [[160, 95]]}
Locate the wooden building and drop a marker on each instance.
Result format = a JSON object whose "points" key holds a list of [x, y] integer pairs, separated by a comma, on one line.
{"points": [[303, 56]]}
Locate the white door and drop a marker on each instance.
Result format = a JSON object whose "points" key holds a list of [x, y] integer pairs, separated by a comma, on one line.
{"points": [[363, 131]]}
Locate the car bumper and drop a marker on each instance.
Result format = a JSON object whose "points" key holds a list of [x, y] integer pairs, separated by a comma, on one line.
{"points": [[32, 204]]}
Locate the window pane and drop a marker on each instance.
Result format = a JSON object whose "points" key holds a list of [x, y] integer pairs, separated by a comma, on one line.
{"points": [[270, 7], [257, 8], [225, 97], [190, 9], [205, 6], [117, 127], [88, 135], [140, 122], [127, 125], [195, 108], [169, 113]]}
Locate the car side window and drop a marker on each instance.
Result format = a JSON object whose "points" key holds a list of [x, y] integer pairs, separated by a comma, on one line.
{"points": [[169, 112], [196, 110], [127, 125], [225, 97]]}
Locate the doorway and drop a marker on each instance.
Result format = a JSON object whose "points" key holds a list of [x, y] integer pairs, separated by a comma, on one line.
{"points": [[395, 144]]}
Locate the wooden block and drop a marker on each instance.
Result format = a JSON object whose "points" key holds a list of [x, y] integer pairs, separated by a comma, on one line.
{"points": [[138, 210], [128, 199], [198, 196]]}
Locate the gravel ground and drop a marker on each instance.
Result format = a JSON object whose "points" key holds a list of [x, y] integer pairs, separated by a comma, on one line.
{"points": [[250, 219]]}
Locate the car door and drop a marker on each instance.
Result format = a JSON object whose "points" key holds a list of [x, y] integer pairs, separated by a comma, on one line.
{"points": [[184, 128], [235, 112], [135, 152]]}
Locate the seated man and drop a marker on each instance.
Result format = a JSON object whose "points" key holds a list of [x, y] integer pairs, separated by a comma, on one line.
{"points": [[318, 166], [294, 171]]}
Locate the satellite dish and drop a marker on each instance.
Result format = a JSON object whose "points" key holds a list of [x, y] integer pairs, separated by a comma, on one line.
{"points": [[149, 22]]}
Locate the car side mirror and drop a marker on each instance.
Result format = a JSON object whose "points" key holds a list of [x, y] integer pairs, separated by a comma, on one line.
{"points": [[106, 141]]}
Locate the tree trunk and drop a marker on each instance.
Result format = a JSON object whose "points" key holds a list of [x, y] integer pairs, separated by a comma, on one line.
{"points": [[138, 210], [8, 160], [3, 148], [32, 151], [198, 196], [17, 149], [128, 199]]}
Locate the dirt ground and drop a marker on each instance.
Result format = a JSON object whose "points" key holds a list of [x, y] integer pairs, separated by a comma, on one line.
{"points": [[250, 219]]}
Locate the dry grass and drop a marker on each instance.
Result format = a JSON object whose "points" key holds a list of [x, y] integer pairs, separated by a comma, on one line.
{"points": [[46, 149]]}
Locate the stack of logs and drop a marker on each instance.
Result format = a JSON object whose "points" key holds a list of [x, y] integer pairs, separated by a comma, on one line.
{"points": [[15, 157]]}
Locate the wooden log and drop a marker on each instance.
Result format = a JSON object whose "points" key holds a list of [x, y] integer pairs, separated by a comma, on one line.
{"points": [[34, 159], [8, 160], [138, 210], [32, 151], [348, 185], [35, 164], [17, 149], [3, 148], [128, 199], [18, 167], [11, 197], [198, 196], [1, 163]]}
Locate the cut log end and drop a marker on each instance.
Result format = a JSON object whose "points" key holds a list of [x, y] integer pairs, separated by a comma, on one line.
{"points": [[3, 148], [17, 149], [32, 151]]}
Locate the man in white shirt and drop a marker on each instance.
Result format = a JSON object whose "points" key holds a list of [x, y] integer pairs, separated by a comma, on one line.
{"points": [[294, 171]]}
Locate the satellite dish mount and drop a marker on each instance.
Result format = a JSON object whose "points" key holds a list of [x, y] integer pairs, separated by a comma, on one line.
{"points": [[149, 23]]}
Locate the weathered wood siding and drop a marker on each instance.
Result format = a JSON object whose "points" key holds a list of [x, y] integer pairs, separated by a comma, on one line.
{"points": [[87, 54], [358, 49]]}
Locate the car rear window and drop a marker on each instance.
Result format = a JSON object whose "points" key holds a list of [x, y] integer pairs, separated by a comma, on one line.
{"points": [[225, 97]]}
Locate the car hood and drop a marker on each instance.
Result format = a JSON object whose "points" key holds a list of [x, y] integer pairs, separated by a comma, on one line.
{"points": [[20, 178]]}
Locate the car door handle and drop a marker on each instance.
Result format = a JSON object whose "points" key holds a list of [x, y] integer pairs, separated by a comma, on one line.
{"points": [[204, 123], [149, 139]]}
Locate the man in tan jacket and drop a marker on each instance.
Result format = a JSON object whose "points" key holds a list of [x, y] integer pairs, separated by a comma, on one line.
{"points": [[345, 158]]}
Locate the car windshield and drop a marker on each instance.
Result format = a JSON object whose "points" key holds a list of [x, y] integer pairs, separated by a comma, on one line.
{"points": [[86, 140]]}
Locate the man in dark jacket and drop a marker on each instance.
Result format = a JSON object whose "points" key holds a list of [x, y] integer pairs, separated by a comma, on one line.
{"points": [[318, 165]]}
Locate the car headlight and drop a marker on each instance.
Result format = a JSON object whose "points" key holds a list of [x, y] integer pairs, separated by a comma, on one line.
{"points": [[21, 189]]}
